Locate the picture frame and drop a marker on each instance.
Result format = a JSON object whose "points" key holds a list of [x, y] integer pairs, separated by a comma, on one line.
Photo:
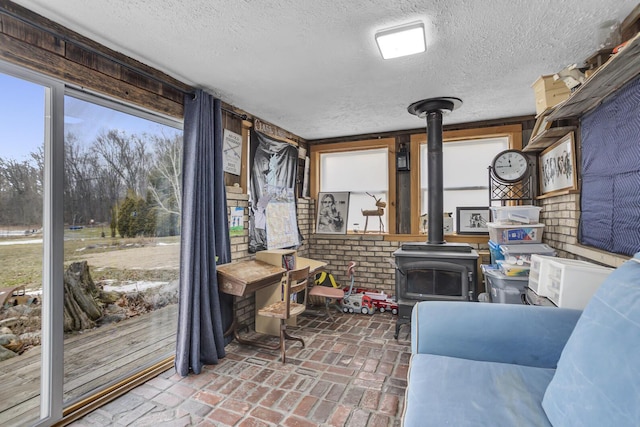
{"points": [[472, 220], [332, 212], [557, 166], [542, 124]]}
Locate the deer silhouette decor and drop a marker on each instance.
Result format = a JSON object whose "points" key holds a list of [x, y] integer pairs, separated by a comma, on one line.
{"points": [[379, 211]]}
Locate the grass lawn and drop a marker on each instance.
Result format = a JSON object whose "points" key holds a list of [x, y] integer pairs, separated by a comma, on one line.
{"points": [[22, 262]]}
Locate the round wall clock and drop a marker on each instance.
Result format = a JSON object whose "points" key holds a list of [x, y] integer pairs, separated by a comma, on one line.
{"points": [[510, 166]]}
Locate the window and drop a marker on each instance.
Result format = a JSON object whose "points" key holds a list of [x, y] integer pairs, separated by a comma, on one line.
{"points": [[466, 156], [367, 170], [464, 167]]}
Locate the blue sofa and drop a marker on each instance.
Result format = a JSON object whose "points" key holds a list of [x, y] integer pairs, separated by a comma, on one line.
{"points": [[477, 364]]}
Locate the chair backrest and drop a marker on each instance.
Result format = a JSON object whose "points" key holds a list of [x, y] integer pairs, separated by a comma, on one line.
{"points": [[295, 281]]}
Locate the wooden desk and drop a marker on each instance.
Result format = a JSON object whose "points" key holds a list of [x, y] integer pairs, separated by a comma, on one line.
{"points": [[245, 278], [315, 266], [262, 279]]}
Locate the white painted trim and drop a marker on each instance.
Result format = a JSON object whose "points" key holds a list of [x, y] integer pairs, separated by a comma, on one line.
{"points": [[52, 329]]}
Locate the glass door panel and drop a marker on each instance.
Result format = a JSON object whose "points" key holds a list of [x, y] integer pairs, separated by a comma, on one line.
{"points": [[22, 136], [122, 242]]}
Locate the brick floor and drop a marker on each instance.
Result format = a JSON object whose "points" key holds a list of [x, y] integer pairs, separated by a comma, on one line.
{"points": [[352, 372]]}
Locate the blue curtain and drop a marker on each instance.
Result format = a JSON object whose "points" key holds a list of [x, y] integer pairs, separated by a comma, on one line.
{"points": [[204, 313]]}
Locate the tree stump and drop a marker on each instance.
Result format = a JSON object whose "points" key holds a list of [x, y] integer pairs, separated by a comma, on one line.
{"points": [[81, 306]]}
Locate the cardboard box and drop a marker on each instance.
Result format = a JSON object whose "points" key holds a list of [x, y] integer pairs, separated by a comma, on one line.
{"points": [[549, 93]]}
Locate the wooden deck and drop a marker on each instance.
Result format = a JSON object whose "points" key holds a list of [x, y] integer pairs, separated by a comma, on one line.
{"points": [[92, 360]]}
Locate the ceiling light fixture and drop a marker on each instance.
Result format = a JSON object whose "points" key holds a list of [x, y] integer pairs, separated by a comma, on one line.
{"points": [[401, 41]]}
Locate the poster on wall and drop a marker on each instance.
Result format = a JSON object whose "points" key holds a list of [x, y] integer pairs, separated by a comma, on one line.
{"points": [[273, 173], [236, 225], [282, 224], [332, 212], [232, 152]]}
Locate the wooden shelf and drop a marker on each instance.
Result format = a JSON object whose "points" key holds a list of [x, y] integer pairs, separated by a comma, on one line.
{"points": [[547, 138], [615, 73]]}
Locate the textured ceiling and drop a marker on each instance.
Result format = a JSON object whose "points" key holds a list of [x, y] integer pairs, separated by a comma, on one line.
{"points": [[312, 66]]}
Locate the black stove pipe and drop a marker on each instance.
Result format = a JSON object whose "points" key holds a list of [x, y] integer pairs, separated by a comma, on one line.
{"points": [[432, 108], [435, 208]]}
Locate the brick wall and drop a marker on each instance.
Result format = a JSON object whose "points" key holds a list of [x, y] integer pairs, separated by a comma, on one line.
{"points": [[561, 215], [373, 255], [240, 250], [305, 213]]}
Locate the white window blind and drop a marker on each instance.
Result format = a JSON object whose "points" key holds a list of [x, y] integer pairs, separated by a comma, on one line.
{"points": [[359, 172], [465, 172]]}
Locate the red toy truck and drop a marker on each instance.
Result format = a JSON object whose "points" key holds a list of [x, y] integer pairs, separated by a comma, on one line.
{"points": [[380, 300]]}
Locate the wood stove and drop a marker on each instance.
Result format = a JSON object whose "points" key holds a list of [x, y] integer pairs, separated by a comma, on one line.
{"points": [[435, 269], [444, 272]]}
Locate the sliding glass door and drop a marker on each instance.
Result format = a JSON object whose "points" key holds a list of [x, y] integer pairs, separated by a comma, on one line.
{"points": [[121, 242], [89, 245], [26, 131]]}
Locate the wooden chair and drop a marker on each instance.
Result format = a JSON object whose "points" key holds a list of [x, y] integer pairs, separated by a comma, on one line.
{"points": [[295, 281]]}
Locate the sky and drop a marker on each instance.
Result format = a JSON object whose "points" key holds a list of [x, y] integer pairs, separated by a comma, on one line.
{"points": [[22, 119]]}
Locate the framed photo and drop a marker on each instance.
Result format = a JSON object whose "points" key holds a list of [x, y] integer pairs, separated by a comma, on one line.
{"points": [[472, 220], [333, 208], [558, 166]]}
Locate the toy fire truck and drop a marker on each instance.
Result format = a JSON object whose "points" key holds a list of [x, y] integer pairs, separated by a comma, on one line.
{"points": [[382, 301], [356, 302]]}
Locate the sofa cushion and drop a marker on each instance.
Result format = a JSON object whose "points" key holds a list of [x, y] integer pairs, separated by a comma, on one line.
{"points": [[597, 381], [446, 390]]}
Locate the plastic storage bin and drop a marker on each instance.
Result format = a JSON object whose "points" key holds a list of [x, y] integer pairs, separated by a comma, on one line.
{"points": [[515, 214], [513, 270], [573, 285], [495, 252], [539, 265], [503, 289], [505, 234], [523, 252]]}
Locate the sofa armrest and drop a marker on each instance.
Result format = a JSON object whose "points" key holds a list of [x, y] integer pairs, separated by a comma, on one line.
{"points": [[508, 333]]}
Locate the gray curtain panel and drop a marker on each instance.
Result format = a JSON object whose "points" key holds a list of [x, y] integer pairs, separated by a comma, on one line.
{"points": [[204, 313]]}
